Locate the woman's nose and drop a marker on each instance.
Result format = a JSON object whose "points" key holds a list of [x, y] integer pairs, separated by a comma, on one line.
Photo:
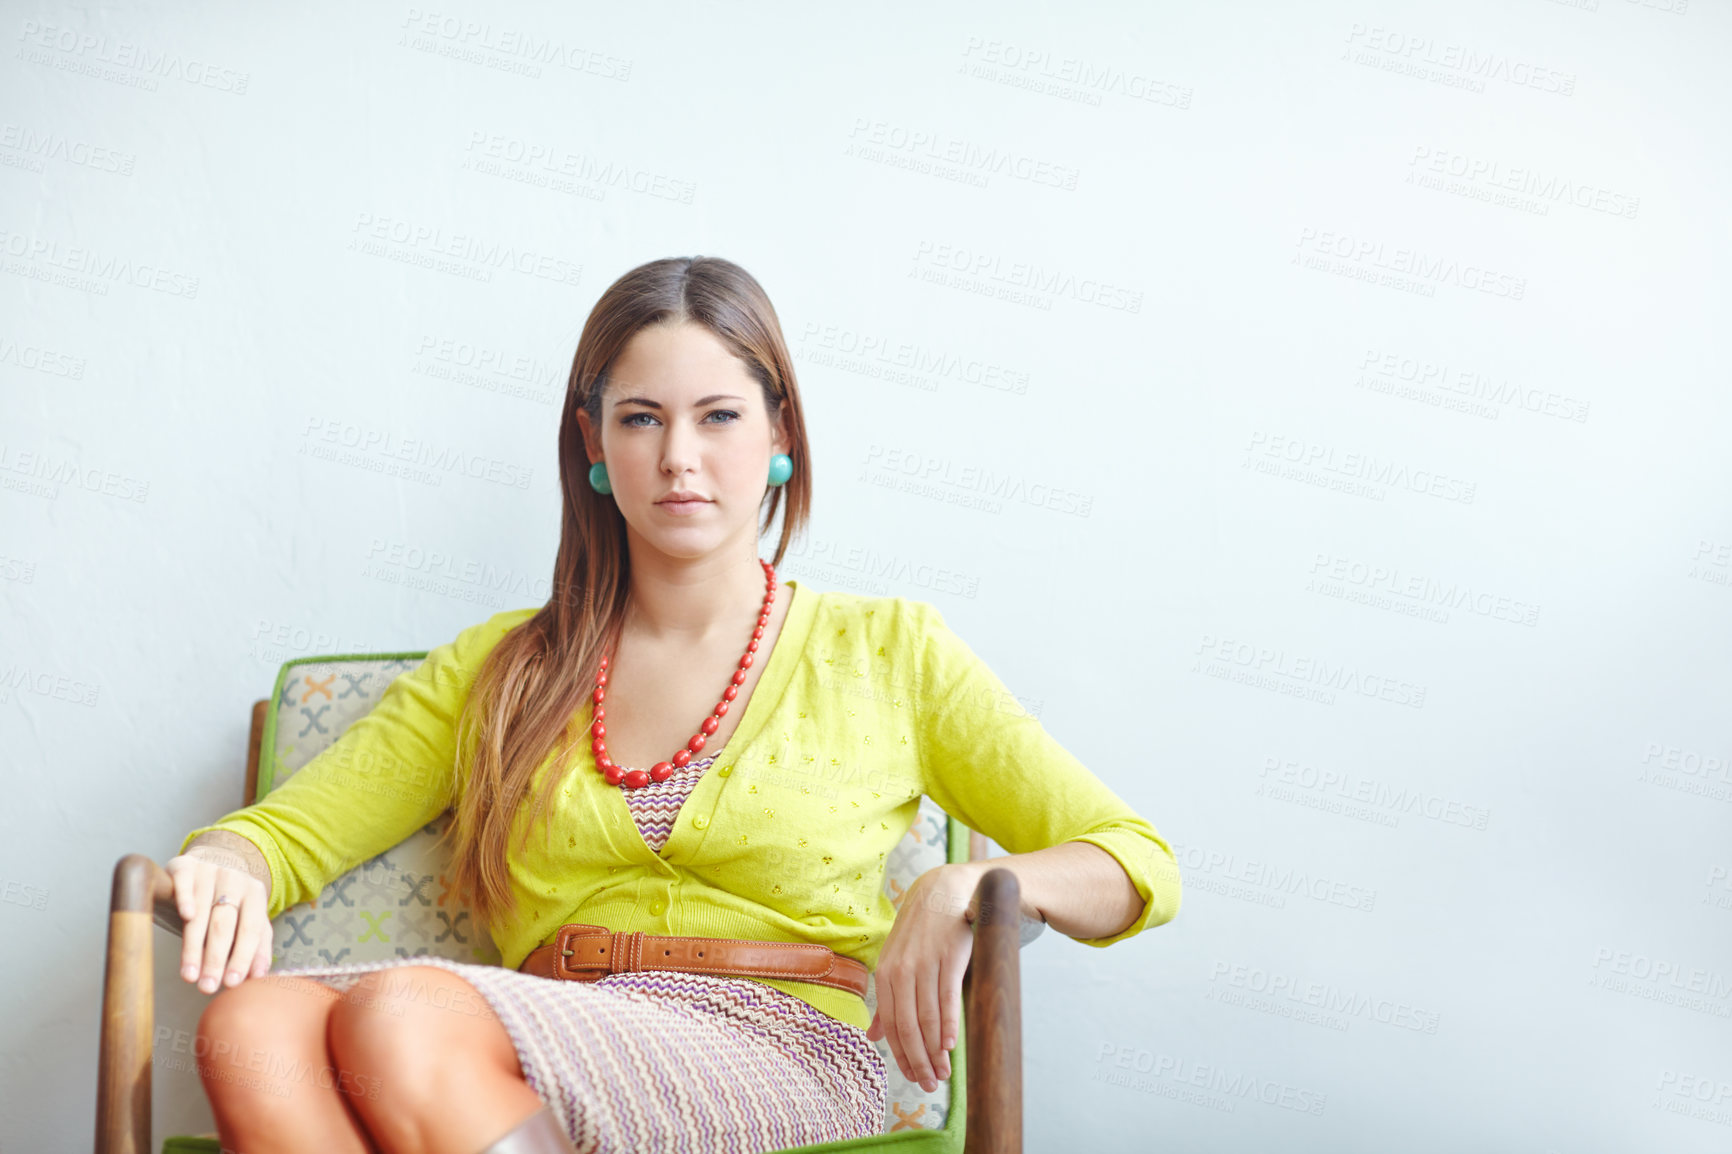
{"points": [[679, 450]]}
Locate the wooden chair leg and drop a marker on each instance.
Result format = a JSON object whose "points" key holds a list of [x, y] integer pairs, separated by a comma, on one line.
{"points": [[993, 990]]}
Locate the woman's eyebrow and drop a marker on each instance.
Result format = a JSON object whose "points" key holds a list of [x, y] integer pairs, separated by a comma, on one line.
{"points": [[699, 403]]}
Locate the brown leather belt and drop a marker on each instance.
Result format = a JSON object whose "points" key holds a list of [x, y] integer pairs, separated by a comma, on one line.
{"points": [[586, 953]]}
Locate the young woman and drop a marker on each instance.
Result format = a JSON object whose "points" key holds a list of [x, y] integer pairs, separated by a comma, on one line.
{"points": [[758, 865]]}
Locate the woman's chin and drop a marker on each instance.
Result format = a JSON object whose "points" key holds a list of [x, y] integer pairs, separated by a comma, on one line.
{"points": [[683, 542]]}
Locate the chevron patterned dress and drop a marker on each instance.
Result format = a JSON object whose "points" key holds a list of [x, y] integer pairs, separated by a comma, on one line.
{"points": [[666, 1061]]}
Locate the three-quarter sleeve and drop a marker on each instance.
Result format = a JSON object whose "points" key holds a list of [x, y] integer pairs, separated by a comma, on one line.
{"points": [[389, 773], [992, 765]]}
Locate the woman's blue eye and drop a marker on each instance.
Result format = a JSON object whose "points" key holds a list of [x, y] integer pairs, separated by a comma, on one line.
{"points": [[632, 420]]}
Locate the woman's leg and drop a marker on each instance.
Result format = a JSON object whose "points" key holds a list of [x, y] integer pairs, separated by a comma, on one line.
{"points": [[266, 1069], [433, 1068]]}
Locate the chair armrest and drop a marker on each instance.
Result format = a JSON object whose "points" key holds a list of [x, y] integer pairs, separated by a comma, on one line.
{"points": [[169, 919], [979, 849], [142, 897], [992, 990]]}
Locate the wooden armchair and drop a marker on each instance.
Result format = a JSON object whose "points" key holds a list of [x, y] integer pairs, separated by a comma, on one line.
{"points": [[978, 1109]]}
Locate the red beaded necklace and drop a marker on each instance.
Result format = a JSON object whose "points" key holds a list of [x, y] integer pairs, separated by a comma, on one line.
{"points": [[662, 770]]}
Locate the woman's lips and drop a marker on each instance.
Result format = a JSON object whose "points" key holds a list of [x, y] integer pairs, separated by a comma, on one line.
{"points": [[682, 507]]}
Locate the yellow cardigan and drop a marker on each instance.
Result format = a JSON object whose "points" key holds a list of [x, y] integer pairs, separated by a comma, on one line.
{"points": [[866, 704]]}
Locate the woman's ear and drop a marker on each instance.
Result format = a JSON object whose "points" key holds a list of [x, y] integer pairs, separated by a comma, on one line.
{"points": [[591, 448]]}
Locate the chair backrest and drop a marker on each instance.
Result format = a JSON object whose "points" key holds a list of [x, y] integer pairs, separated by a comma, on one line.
{"points": [[399, 902]]}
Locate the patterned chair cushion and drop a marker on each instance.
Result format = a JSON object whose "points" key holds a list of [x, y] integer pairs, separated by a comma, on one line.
{"points": [[400, 903]]}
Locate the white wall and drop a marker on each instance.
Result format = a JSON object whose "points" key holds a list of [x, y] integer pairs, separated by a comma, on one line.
{"points": [[1328, 437]]}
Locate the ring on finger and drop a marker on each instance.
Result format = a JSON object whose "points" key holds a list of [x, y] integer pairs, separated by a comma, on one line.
{"points": [[225, 900]]}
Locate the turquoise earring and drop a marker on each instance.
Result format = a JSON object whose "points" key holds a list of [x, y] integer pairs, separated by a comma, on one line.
{"points": [[781, 468], [598, 478]]}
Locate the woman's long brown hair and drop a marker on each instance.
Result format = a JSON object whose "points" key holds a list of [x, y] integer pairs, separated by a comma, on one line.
{"points": [[526, 698]]}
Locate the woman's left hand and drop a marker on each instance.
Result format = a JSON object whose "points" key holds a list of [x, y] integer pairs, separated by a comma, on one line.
{"points": [[919, 974]]}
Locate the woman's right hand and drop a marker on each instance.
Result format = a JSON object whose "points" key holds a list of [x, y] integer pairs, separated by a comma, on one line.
{"points": [[226, 942]]}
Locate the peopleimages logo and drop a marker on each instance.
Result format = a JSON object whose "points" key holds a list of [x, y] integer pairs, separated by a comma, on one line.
{"points": [[1068, 77], [1354, 470], [1288, 993], [1375, 796], [41, 360], [37, 146], [1527, 181], [1042, 280], [517, 45], [1421, 589], [870, 137], [1267, 667], [946, 478], [1665, 980], [1468, 62], [345, 443], [425, 244], [101, 268], [1410, 262], [41, 474], [150, 64], [1276, 881], [1231, 1085], [1467, 385]]}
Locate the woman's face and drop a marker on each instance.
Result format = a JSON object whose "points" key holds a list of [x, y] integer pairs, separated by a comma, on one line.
{"points": [[682, 414]]}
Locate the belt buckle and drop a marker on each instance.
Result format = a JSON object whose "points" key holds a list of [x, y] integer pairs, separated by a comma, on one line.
{"points": [[595, 961]]}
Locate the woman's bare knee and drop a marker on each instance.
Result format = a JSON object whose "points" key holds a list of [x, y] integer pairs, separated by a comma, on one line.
{"points": [[412, 1018], [260, 1036], [265, 1067], [437, 1055]]}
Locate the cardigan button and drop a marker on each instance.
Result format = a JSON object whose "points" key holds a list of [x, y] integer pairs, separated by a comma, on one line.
{"points": [[656, 908], [701, 821]]}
